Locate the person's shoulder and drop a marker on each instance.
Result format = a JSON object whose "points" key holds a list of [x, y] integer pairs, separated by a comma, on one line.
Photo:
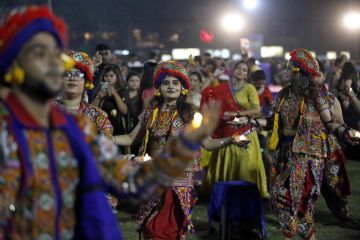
{"points": [[284, 90], [96, 110], [250, 87]]}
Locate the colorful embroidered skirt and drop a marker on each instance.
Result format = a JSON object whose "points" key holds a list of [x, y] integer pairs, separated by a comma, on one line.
{"points": [[296, 181]]}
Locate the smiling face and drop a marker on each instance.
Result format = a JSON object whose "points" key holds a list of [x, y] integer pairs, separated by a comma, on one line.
{"points": [[241, 71], [74, 83], [170, 88], [40, 58]]}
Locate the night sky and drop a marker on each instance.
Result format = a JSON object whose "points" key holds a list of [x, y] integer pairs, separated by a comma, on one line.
{"points": [[313, 24]]}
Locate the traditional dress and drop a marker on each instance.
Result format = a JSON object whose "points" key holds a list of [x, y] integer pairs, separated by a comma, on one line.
{"points": [[50, 181], [232, 162], [176, 205], [299, 161], [42, 193], [95, 115], [169, 216]]}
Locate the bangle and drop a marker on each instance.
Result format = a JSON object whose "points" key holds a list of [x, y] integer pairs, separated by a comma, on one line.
{"points": [[256, 124], [189, 145]]}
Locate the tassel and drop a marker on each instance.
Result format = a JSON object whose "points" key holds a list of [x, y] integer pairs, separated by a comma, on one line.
{"points": [[15, 75], [274, 139], [158, 93]]}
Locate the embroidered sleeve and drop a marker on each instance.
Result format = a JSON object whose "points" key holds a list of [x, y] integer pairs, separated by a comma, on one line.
{"points": [[104, 124], [321, 100], [129, 181]]}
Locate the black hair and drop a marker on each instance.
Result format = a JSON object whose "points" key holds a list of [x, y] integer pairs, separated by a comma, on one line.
{"points": [[102, 47], [207, 54], [198, 59], [338, 61], [348, 72], [258, 75], [119, 84], [153, 55], [133, 74], [251, 60], [211, 62], [148, 75]]}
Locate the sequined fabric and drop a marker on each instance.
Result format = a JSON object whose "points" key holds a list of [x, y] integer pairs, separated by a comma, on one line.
{"points": [[166, 126]]}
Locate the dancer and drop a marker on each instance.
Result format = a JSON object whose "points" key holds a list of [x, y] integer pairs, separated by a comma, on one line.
{"points": [[238, 98], [301, 123], [168, 217], [50, 164], [72, 97]]}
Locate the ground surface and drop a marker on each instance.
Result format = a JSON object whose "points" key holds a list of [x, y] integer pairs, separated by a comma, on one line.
{"points": [[326, 224]]}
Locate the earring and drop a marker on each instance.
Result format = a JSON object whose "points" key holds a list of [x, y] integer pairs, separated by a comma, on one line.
{"points": [[158, 93], [15, 75], [184, 91]]}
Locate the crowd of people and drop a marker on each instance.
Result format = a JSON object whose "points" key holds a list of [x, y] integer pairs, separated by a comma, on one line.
{"points": [[76, 132]]}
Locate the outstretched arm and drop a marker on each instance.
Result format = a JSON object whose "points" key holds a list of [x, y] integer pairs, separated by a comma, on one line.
{"points": [[136, 182], [127, 139]]}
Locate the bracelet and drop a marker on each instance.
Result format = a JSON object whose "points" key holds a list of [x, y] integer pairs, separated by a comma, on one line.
{"points": [[223, 142], [337, 129], [189, 145], [256, 124]]}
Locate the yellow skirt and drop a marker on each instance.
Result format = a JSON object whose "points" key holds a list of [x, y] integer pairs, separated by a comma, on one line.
{"points": [[234, 163]]}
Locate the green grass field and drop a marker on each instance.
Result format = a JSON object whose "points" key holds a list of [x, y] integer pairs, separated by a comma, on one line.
{"points": [[326, 224]]}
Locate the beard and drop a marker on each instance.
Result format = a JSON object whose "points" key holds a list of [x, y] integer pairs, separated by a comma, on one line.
{"points": [[38, 90]]}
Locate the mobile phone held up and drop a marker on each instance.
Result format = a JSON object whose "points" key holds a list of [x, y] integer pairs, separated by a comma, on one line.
{"points": [[104, 86]]}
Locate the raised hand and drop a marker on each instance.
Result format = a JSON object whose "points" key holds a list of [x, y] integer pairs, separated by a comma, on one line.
{"points": [[209, 123]]}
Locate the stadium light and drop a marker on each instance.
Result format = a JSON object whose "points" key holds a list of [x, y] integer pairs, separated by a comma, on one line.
{"points": [[250, 4], [352, 20], [232, 22]]}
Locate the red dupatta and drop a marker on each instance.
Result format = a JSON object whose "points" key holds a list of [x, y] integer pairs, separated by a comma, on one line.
{"points": [[222, 93]]}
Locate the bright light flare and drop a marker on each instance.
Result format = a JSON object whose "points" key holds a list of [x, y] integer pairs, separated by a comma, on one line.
{"points": [[352, 20], [233, 22], [196, 122], [147, 158], [250, 4]]}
